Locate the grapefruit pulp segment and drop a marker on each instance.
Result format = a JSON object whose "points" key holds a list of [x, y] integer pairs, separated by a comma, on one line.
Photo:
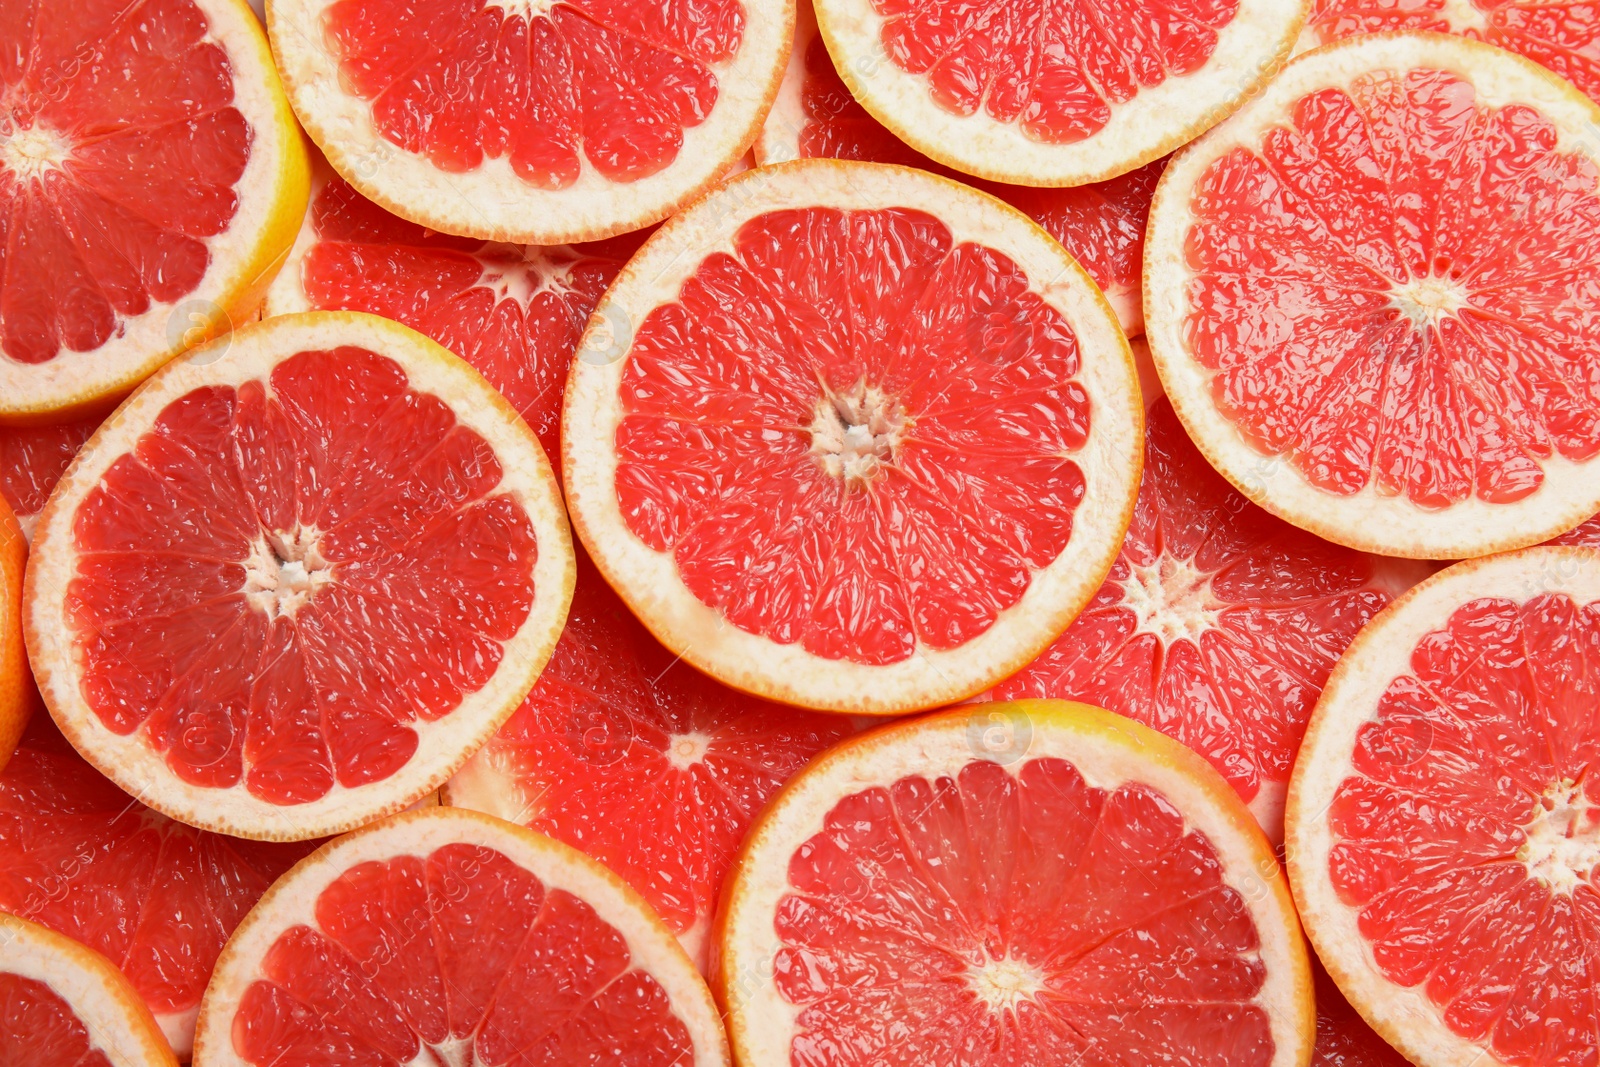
{"points": [[33, 458]]}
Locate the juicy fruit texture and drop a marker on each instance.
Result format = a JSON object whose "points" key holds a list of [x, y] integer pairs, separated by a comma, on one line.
{"points": [[854, 433], [1585, 535], [514, 312], [284, 576], [1005, 916], [1056, 72], [1357, 297], [32, 460], [41, 1029], [1217, 626], [1464, 833], [552, 88], [155, 897], [1559, 34], [1343, 1037], [644, 764], [120, 147]]}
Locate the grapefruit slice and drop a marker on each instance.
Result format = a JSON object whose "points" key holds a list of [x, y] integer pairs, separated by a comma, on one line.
{"points": [[1029, 883], [1559, 34], [1366, 295], [450, 937], [515, 312], [151, 179], [1441, 839], [853, 437], [66, 1006], [157, 898], [1218, 623], [298, 579], [531, 122], [1056, 95], [33, 458], [646, 765], [1102, 225]]}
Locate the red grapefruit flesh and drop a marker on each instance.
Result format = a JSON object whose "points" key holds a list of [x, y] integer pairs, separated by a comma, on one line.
{"points": [[33, 458], [515, 312], [1586, 534], [1343, 1037], [644, 764], [1370, 297], [150, 180], [532, 121], [868, 443], [1090, 893], [1217, 625], [299, 579], [449, 937], [1441, 835], [157, 898]]}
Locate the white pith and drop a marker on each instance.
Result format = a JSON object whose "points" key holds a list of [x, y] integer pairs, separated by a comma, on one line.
{"points": [[1109, 751], [285, 570], [1003, 984], [119, 1024], [243, 256], [855, 433], [1427, 300], [649, 580], [1368, 520], [688, 750], [528, 9], [1405, 1016], [292, 901], [443, 744], [492, 201], [1172, 599], [1248, 51], [1563, 837], [33, 151], [1464, 16]]}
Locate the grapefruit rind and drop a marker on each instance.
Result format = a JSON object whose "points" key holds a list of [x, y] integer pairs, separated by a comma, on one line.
{"points": [[16, 684], [244, 258], [1405, 1017], [443, 745], [1108, 750], [118, 1022], [491, 202], [1366, 520], [1249, 50], [649, 581], [293, 898]]}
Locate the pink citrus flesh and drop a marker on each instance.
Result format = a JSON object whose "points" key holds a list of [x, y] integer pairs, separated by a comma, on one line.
{"points": [[41, 1029], [32, 460], [1343, 1037], [1585, 535]]}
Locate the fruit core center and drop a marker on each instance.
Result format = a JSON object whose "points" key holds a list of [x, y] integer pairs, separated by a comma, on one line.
{"points": [[686, 750], [1428, 299], [1562, 837], [511, 272], [528, 9], [1004, 983], [855, 432], [285, 570], [1463, 15], [1172, 599], [32, 152]]}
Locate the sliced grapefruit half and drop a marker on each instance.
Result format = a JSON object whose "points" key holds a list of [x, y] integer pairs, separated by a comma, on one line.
{"points": [[853, 436], [1055, 95], [151, 179], [532, 121], [64, 1005], [33, 457], [643, 763], [299, 578], [515, 312], [155, 897], [1036, 882], [1442, 839], [1368, 294], [451, 937], [1102, 225], [1218, 623], [16, 681]]}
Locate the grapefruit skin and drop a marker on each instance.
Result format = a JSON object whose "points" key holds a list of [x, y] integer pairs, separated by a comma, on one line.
{"points": [[16, 681]]}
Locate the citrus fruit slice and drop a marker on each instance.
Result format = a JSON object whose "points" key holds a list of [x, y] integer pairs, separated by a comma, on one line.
{"points": [[33, 457], [514, 312], [64, 1005], [1340, 280], [1441, 839], [1038, 882], [446, 936], [298, 579], [1559, 34], [1102, 225], [1218, 623], [157, 898], [852, 436], [646, 765], [151, 179], [534, 123], [1055, 95]]}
